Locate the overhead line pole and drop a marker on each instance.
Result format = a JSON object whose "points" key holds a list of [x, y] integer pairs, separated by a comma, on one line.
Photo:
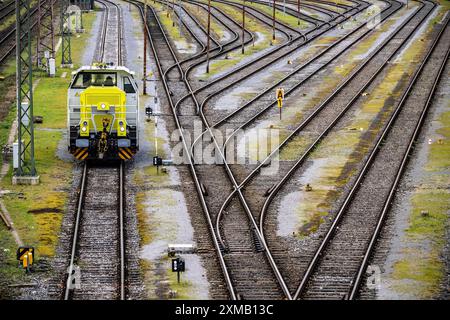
{"points": [[273, 21], [243, 27], [66, 55], [24, 164], [45, 33], [298, 9], [209, 36], [144, 85]]}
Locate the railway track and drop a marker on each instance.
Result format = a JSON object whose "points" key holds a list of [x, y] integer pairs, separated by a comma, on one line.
{"points": [[98, 248], [164, 51], [368, 201], [247, 283], [255, 14], [7, 36], [233, 44], [242, 72], [276, 189], [237, 225], [292, 83], [110, 49], [293, 80], [7, 10]]}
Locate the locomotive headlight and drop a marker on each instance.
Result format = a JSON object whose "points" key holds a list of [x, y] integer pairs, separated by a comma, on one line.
{"points": [[84, 127], [103, 106], [121, 127]]}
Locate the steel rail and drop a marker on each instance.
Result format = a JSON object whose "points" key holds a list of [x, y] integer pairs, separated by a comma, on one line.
{"points": [[222, 52], [287, 93], [77, 227], [122, 229], [121, 193], [232, 179], [6, 10], [292, 13], [370, 248], [276, 49], [81, 197], [105, 16], [314, 261], [241, 79], [222, 264], [219, 46], [12, 31]]}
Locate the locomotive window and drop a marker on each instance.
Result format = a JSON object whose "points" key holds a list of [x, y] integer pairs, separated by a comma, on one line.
{"points": [[86, 79], [127, 86], [82, 81]]}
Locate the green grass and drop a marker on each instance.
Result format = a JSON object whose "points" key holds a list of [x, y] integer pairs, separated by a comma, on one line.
{"points": [[41, 230], [9, 270], [5, 126]]}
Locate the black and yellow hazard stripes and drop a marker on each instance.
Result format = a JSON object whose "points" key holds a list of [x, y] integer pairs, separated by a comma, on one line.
{"points": [[81, 153], [25, 255], [125, 153]]}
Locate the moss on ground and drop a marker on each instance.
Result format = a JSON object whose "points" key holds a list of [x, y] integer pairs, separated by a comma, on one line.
{"points": [[343, 149], [422, 264]]}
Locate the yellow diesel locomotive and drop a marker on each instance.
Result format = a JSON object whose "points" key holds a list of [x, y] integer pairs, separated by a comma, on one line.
{"points": [[103, 113]]}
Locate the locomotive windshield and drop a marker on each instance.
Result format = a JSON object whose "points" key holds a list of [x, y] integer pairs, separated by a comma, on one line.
{"points": [[97, 79]]}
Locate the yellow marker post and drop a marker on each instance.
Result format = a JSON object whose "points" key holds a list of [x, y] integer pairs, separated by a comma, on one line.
{"points": [[30, 258], [25, 255], [280, 97], [25, 262]]}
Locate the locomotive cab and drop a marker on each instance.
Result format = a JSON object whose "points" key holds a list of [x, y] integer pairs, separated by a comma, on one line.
{"points": [[103, 103]]}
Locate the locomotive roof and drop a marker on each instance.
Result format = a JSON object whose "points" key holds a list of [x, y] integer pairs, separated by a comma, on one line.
{"points": [[103, 68]]}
